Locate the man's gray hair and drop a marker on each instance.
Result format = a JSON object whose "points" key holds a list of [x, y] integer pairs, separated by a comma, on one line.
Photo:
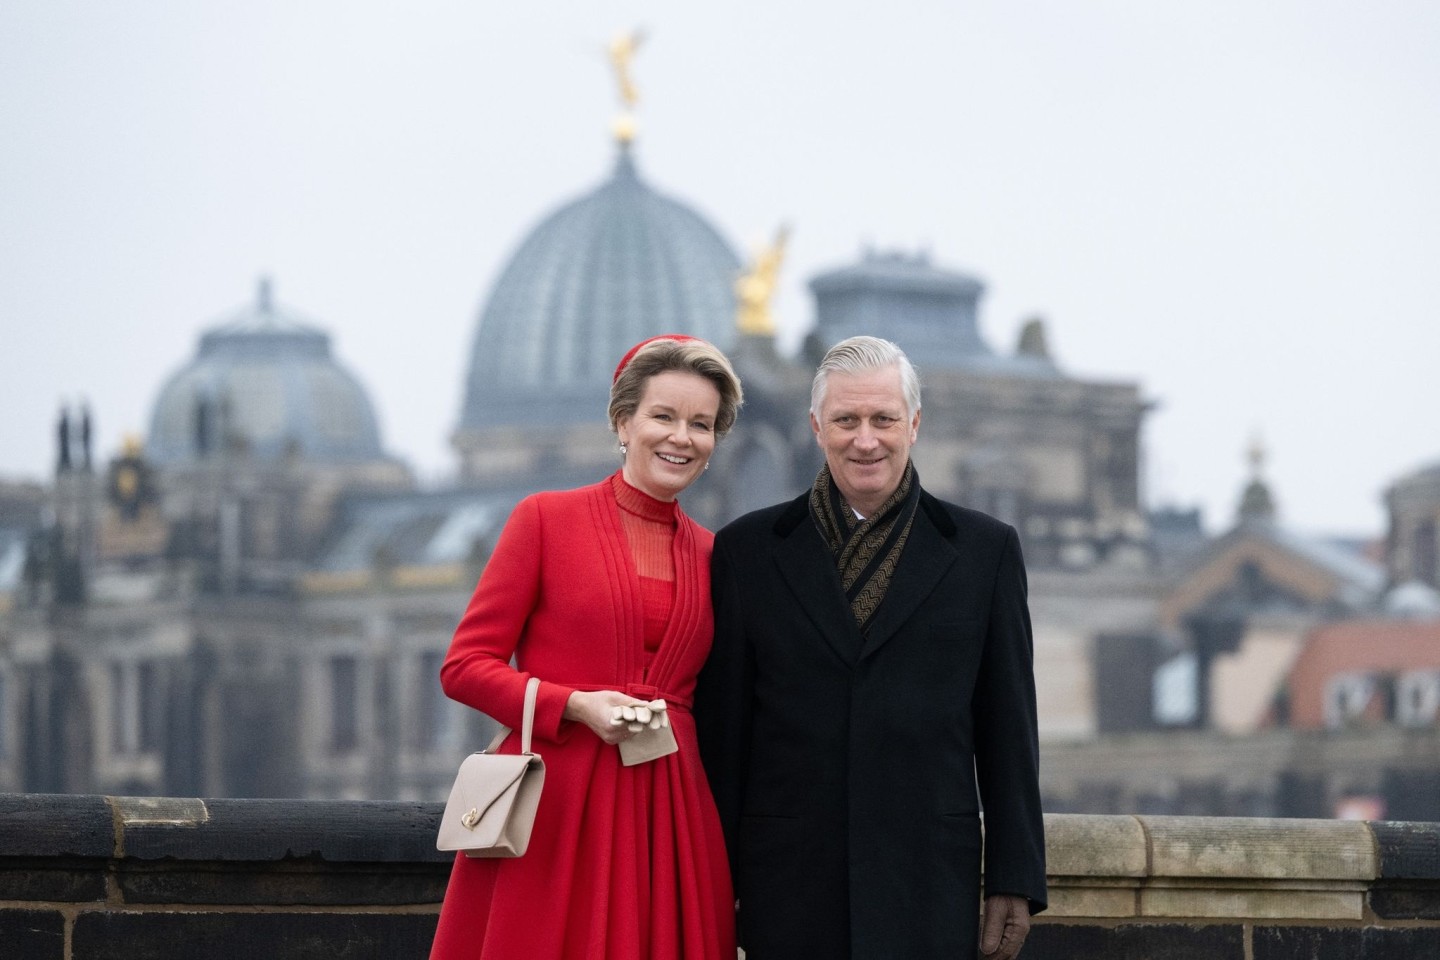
{"points": [[862, 354]]}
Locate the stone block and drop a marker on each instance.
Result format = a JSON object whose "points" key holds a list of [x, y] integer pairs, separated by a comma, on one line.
{"points": [[1408, 851], [268, 830], [1255, 847], [1134, 941], [1090, 900], [248, 936], [32, 935], [1094, 846], [55, 825], [1311, 943], [60, 879], [1346, 943], [1406, 900], [1270, 902], [290, 883], [1409, 884]]}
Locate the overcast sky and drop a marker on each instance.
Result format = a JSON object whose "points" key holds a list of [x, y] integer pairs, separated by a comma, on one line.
{"points": [[1235, 204]]}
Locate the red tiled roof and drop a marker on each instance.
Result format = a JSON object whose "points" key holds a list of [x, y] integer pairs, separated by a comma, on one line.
{"points": [[1357, 646]]}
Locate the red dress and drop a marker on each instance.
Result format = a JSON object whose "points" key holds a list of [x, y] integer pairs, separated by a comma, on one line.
{"points": [[625, 863]]}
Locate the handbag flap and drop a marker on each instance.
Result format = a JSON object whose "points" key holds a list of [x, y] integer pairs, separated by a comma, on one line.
{"points": [[485, 776]]}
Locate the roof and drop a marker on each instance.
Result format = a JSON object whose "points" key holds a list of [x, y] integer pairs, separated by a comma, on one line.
{"points": [[932, 312], [894, 271], [1295, 572], [603, 272], [268, 381], [1361, 577], [1365, 647], [414, 529]]}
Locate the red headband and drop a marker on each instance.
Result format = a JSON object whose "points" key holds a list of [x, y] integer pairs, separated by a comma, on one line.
{"points": [[630, 355]]}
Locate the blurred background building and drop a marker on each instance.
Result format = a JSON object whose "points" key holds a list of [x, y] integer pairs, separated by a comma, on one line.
{"points": [[255, 598]]}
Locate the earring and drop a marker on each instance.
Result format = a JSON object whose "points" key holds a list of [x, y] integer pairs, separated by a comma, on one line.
{"points": [[623, 449], [707, 464]]}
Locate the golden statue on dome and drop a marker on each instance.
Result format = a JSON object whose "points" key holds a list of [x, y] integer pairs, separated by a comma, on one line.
{"points": [[755, 287], [621, 52]]}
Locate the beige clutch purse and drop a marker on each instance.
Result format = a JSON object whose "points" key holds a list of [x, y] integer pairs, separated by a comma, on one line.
{"points": [[648, 745]]}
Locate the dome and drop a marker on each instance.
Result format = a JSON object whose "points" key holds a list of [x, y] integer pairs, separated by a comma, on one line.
{"points": [[1413, 599], [600, 274], [932, 313], [267, 382]]}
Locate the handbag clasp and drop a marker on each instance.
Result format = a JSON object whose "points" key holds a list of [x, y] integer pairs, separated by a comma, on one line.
{"points": [[470, 819]]}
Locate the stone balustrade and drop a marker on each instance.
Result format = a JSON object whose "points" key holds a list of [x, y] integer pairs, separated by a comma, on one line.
{"points": [[127, 878]]}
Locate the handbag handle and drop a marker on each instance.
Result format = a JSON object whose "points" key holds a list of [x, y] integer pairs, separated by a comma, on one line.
{"points": [[532, 690]]}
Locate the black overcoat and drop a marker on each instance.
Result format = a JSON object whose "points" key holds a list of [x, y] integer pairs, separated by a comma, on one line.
{"points": [[849, 770]]}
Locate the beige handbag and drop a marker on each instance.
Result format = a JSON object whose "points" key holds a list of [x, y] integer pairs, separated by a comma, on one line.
{"points": [[492, 806]]}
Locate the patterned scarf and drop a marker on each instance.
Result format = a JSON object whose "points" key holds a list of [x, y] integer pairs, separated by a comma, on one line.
{"points": [[866, 551]]}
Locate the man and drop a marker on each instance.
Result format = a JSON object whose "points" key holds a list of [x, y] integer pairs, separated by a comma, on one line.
{"points": [[870, 684]]}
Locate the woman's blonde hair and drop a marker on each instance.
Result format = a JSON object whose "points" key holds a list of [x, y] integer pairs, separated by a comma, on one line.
{"points": [[684, 356]]}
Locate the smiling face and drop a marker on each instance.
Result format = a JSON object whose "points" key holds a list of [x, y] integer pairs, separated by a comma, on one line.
{"points": [[863, 428], [671, 434]]}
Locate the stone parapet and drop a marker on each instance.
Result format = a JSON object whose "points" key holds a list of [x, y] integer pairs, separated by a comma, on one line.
{"points": [[134, 878], [1237, 887]]}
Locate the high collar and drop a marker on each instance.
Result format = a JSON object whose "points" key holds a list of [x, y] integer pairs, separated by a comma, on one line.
{"points": [[636, 501]]}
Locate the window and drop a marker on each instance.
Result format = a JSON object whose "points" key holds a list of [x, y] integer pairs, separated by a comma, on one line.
{"points": [[344, 704], [153, 698], [1347, 698], [427, 709], [137, 707], [1417, 699], [435, 727], [124, 708], [1175, 689]]}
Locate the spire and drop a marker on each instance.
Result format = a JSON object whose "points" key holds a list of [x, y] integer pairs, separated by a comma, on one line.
{"points": [[625, 163], [1257, 504], [265, 300]]}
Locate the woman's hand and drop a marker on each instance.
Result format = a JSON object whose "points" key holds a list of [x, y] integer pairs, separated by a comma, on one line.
{"points": [[608, 713]]}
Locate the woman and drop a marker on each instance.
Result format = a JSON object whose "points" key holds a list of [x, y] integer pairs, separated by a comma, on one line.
{"points": [[604, 594]]}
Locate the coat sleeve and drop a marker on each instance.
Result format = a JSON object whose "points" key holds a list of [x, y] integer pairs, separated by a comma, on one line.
{"points": [[723, 698], [477, 670], [1006, 741]]}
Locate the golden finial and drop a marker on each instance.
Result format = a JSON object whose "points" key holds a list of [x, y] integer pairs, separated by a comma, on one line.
{"points": [[755, 287], [621, 51], [132, 446]]}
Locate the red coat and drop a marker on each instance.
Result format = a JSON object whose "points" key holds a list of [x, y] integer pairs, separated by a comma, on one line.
{"points": [[624, 862]]}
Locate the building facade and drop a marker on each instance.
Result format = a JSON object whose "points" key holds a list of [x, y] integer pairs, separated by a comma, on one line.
{"points": [[255, 599]]}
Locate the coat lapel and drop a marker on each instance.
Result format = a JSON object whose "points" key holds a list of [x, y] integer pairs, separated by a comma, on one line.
{"points": [[924, 561], [809, 570]]}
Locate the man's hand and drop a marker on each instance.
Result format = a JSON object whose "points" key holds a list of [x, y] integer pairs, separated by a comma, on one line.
{"points": [[1006, 924]]}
